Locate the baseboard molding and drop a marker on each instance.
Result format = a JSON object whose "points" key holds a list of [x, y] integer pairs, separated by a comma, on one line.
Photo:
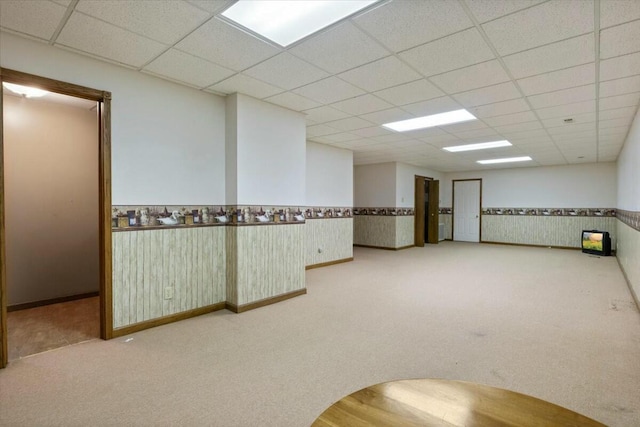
{"points": [[386, 248], [263, 302], [325, 264], [58, 300], [626, 278], [126, 330], [530, 245]]}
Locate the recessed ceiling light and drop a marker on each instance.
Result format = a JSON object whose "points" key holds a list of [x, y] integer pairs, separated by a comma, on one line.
{"points": [[26, 91], [287, 21], [478, 146], [505, 160], [441, 119]]}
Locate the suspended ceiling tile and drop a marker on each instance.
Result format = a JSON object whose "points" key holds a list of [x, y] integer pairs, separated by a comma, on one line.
{"points": [[292, 101], [142, 17], [287, 71], [618, 113], [614, 123], [613, 12], [211, 6], [320, 130], [98, 38], [420, 90], [621, 66], [35, 18], [500, 108], [325, 114], [371, 131], [620, 40], [616, 131], [479, 134], [560, 121], [518, 127], [387, 116], [381, 74], [223, 44], [408, 28], [565, 96], [557, 80], [64, 3], [566, 110], [487, 10], [350, 124], [340, 49], [527, 134], [187, 68], [246, 85], [488, 95], [619, 101], [540, 25], [556, 56], [329, 90], [480, 75], [620, 86], [435, 57], [510, 119], [574, 129], [362, 105], [394, 137], [432, 106]]}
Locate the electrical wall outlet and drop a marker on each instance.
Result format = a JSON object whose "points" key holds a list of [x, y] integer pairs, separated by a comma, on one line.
{"points": [[319, 250], [168, 292]]}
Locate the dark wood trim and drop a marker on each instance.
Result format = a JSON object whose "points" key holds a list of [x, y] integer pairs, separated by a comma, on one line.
{"points": [[103, 99], [386, 248], [18, 77], [453, 204], [264, 302], [529, 245], [106, 274], [419, 213], [433, 215], [148, 324], [626, 278], [34, 304], [326, 264], [4, 350]]}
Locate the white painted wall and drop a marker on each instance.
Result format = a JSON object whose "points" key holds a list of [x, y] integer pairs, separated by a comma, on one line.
{"points": [[374, 185], [329, 176], [270, 153], [591, 185], [629, 169], [51, 188], [405, 183], [167, 140]]}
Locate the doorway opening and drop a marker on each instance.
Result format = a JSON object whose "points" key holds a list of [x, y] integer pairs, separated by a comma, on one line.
{"points": [[427, 206], [39, 215]]}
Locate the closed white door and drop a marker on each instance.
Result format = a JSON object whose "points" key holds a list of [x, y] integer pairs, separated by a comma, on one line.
{"points": [[466, 211]]}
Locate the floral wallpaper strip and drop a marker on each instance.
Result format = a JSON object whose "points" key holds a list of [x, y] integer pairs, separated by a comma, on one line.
{"points": [[604, 212], [131, 217], [631, 218], [397, 211]]}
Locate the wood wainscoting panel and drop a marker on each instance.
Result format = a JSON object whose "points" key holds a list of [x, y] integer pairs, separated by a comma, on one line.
{"points": [[404, 231], [328, 240], [186, 266], [375, 231]]}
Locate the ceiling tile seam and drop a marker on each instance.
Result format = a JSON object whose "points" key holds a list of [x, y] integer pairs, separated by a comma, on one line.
{"points": [[63, 21], [596, 31], [24, 35], [619, 24], [215, 12], [171, 79], [94, 56], [506, 69], [514, 12]]}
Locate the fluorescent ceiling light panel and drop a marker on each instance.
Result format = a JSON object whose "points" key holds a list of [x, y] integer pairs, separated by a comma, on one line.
{"points": [[26, 91], [441, 119], [287, 21], [506, 160], [479, 146]]}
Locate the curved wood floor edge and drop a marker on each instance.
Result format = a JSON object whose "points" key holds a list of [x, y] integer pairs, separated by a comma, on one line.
{"points": [[437, 402]]}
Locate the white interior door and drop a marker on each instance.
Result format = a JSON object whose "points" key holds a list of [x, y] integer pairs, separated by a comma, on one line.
{"points": [[466, 211]]}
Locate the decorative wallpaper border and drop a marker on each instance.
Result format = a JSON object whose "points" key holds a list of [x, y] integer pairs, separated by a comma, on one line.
{"points": [[396, 211], [445, 211], [631, 218], [130, 217], [596, 212]]}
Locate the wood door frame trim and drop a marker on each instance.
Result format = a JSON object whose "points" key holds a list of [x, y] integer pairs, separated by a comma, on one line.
{"points": [[417, 224], [103, 98], [453, 203]]}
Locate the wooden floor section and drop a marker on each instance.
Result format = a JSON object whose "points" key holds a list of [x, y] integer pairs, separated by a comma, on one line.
{"points": [[431, 402], [39, 329]]}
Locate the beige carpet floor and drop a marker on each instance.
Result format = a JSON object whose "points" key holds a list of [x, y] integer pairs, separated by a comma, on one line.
{"points": [[556, 324]]}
